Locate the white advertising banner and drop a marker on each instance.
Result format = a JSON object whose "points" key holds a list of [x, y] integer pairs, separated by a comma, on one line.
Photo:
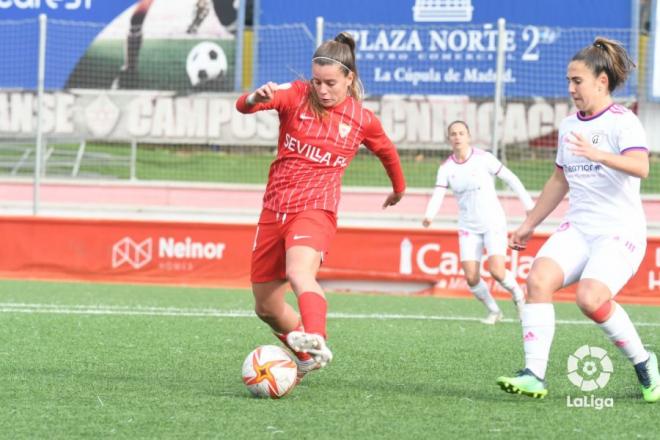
{"points": [[167, 117]]}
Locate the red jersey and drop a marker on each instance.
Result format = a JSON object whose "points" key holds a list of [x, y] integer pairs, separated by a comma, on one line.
{"points": [[312, 153]]}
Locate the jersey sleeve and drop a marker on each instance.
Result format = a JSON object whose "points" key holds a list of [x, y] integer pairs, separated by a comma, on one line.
{"points": [[493, 164], [631, 134], [516, 186], [559, 158], [441, 178], [441, 185], [288, 95], [377, 141]]}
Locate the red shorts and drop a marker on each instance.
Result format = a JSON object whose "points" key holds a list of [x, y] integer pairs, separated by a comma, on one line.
{"points": [[278, 231]]}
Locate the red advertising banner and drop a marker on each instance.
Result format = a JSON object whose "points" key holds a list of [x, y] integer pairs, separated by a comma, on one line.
{"points": [[398, 255], [126, 251], [219, 255]]}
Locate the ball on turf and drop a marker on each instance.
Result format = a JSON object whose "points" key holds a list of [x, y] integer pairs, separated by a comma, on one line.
{"points": [[269, 371]]}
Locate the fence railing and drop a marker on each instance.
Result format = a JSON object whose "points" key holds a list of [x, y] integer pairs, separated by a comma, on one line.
{"points": [[175, 118]]}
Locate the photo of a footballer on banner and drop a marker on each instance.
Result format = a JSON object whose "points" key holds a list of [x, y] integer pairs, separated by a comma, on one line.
{"points": [[169, 45], [183, 45]]}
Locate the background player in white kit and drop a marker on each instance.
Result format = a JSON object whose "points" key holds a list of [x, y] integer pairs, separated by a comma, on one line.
{"points": [[601, 156], [481, 223]]}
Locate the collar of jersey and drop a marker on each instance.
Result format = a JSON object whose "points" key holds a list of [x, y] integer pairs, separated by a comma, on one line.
{"points": [[589, 118], [453, 157], [339, 106]]}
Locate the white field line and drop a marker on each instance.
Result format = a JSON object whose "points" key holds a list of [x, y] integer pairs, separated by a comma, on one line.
{"points": [[63, 309]]}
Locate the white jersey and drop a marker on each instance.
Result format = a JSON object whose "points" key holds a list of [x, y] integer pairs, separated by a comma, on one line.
{"points": [[603, 200], [472, 182]]}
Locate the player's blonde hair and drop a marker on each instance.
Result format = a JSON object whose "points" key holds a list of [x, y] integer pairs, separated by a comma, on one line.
{"points": [[341, 52], [609, 56]]}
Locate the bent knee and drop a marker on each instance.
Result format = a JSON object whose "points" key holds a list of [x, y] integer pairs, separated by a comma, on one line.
{"points": [[266, 312], [299, 275], [598, 313], [472, 279], [595, 306], [498, 275], [537, 282], [541, 287]]}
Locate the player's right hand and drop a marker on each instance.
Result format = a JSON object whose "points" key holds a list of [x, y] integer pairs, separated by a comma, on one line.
{"points": [[519, 238], [392, 199], [265, 93]]}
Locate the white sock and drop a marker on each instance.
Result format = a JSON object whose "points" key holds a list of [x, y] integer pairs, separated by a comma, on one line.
{"points": [[480, 290], [623, 334], [509, 283], [538, 325]]}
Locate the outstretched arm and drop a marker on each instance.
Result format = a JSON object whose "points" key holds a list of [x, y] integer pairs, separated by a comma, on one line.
{"points": [[390, 160], [381, 145], [263, 95], [553, 192], [434, 205], [516, 186]]}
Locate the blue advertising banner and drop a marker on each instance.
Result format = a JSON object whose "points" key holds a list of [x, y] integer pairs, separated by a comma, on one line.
{"points": [[442, 46], [99, 11], [22, 36], [183, 45]]}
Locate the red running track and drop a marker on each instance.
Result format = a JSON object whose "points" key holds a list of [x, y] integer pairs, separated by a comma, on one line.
{"points": [[192, 201]]}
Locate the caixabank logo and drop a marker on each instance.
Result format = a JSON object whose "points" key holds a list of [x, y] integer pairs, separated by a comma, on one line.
{"points": [[139, 253]]}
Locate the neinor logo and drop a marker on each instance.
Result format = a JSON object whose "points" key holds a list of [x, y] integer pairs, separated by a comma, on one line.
{"points": [[170, 248]]}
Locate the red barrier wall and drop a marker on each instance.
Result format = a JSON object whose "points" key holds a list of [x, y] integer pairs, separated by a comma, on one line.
{"points": [[219, 255]]}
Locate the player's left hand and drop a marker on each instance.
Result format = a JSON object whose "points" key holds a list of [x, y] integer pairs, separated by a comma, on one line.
{"points": [[392, 199], [583, 148]]}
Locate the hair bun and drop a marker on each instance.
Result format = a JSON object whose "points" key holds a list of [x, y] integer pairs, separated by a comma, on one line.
{"points": [[346, 38]]}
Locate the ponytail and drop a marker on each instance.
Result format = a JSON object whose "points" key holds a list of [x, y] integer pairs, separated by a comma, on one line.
{"points": [[609, 56]]}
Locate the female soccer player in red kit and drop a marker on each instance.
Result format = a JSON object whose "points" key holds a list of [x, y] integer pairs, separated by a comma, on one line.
{"points": [[322, 124]]}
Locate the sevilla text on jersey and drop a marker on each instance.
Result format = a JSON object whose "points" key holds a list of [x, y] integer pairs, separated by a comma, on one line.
{"points": [[313, 153]]}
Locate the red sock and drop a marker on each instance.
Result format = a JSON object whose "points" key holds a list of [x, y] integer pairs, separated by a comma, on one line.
{"points": [[313, 309], [299, 355]]}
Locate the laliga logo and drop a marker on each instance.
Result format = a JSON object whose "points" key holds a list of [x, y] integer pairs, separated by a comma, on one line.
{"points": [[589, 368], [128, 251], [51, 4]]}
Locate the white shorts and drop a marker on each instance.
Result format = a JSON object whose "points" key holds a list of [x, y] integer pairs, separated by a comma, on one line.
{"points": [[472, 244], [610, 259]]}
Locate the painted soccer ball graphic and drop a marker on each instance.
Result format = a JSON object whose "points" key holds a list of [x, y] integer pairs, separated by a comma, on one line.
{"points": [[269, 371], [206, 62]]}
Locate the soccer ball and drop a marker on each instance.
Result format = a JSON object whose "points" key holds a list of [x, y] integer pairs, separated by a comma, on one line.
{"points": [[206, 62], [269, 371]]}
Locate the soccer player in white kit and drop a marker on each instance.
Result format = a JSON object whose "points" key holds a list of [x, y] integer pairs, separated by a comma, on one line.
{"points": [[470, 172], [602, 155]]}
